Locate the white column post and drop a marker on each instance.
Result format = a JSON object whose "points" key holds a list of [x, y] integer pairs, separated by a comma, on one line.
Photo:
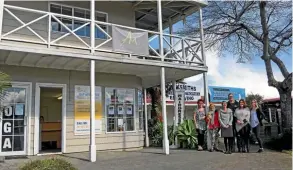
{"points": [[93, 150], [147, 143], [1, 17], [206, 92], [93, 11], [163, 91]]}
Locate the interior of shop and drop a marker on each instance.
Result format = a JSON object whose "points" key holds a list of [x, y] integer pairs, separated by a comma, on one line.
{"points": [[50, 119]]}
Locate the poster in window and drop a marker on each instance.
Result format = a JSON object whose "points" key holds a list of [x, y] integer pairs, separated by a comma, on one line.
{"points": [[120, 122], [120, 110], [111, 110], [129, 110], [19, 109]]}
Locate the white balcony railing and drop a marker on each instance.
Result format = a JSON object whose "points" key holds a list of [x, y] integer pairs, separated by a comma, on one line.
{"points": [[177, 49]]}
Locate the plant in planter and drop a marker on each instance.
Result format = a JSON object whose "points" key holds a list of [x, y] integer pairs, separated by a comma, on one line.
{"points": [[186, 134], [155, 132]]}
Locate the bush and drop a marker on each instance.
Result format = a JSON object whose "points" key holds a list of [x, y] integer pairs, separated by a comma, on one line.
{"points": [[186, 134], [155, 128], [282, 142], [48, 164], [156, 133]]}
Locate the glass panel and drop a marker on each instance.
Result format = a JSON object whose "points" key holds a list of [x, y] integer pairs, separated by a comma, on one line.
{"points": [[18, 127], [140, 109], [66, 11], [6, 143], [18, 144], [55, 9], [110, 109], [12, 113]]}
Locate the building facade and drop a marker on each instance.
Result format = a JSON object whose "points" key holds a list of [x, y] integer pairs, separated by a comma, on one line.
{"points": [[95, 59]]}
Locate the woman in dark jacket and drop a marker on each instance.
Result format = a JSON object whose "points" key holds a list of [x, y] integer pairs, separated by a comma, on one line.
{"points": [[256, 117]]}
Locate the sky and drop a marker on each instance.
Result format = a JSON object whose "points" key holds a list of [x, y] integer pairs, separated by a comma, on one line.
{"points": [[224, 71]]}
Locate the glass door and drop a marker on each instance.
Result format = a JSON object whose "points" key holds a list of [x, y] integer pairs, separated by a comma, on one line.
{"points": [[13, 110]]}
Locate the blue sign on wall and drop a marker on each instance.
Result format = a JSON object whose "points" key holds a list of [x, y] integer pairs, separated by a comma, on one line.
{"points": [[219, 94]]}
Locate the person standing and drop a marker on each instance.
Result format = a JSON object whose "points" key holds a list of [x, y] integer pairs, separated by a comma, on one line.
{"points": [[256, 117], [233, 105], [242, 114], [226, 121], [200, 124], [212, 120]]}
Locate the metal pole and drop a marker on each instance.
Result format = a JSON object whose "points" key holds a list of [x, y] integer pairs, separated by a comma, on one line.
{"points": [[205, 81], [147, 143], [93, 152], [163, 91], [1, 17]]}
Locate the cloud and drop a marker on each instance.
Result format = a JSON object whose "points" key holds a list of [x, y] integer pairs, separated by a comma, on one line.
{"points": [[226, 72]]}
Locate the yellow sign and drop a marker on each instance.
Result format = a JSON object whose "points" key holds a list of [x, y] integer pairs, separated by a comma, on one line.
{"points": [[82, 110]]}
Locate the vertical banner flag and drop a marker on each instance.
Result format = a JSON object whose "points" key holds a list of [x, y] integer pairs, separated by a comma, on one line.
{"points": [[130, 41], [180, 103], [82, 110]]}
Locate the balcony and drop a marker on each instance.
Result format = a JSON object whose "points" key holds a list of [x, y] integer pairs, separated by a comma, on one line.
{"points": [[38, 31]]}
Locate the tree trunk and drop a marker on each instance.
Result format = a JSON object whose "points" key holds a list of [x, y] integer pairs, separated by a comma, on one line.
{"points": [[286, 108], [285, 91]]}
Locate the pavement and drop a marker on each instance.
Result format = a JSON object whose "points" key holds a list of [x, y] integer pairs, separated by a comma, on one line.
{"points": [[154, 159]]}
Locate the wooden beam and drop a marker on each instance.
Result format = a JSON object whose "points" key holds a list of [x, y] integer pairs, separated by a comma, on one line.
{"points": [[7, 57]]}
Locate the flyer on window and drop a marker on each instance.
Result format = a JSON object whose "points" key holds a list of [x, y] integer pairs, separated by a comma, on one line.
{"points": [[19, 109], [129, 110], [120, 110], [111, 110]]}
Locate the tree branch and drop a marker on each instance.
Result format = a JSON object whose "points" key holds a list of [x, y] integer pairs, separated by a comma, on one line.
{"points": [[271, 80], [280, 64], [251, 32]]}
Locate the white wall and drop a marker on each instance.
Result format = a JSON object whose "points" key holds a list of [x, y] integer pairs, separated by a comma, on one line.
{"points": [[71, 78], [51, 109]]}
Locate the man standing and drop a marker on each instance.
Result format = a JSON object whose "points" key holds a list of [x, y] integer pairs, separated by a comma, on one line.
{"points": [[233, 104]]}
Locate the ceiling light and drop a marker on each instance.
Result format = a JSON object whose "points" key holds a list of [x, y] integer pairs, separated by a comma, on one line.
{"points": [[59, 98]]}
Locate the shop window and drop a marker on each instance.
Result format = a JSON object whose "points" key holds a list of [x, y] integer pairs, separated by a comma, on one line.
{"points": [[73, 24], [140, 109], [119, 105]]}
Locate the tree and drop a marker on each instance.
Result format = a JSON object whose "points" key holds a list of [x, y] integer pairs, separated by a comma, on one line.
{"points": [[251, 96], [248, 29], [5, 83]]}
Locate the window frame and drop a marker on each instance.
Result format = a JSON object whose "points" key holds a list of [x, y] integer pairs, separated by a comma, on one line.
{"points": [[72, 20], [142, 110], [124, 115]]}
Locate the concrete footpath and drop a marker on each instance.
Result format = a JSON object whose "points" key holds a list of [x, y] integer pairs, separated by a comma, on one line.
{"points": [[153, 159]]}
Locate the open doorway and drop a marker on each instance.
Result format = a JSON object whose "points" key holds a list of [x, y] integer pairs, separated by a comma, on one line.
{"points": [[50, 109]]}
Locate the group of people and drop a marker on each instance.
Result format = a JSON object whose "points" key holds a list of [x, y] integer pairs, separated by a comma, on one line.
{"points": [[235, 120]]}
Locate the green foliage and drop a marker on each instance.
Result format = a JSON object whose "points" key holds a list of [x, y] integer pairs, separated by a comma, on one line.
{"points": [[155, 128], [48, 164], [186, 134], [282, 142], [259, 98], [156, 133], [5, 82]]}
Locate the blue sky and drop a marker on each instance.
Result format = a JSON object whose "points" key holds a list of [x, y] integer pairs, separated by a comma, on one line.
{"points": [[251, 76]]}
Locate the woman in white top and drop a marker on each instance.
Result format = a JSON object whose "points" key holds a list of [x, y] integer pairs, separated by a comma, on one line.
{"points": [[200, 123], [242, 114]]}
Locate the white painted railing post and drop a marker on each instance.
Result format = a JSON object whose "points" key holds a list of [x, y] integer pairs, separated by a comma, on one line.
{"points": [[1, 17], [205, 81], [93, 152], [163, 92], [49, 30]]}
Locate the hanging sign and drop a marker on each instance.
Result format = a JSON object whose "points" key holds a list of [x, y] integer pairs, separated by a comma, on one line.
{"points": [[180, 106], [191, 93], [82, 110]]}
